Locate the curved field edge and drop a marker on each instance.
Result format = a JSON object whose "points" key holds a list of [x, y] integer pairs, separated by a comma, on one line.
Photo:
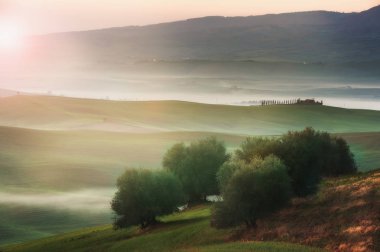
{"points": [[61, 113]]}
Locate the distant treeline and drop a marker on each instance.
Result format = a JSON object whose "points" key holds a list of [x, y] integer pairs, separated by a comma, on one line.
{"points": [[290, 102]]}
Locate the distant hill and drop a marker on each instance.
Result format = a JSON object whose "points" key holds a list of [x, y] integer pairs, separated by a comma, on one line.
{"points": [[284, 54], [7, 93], [62, 113], [316, 36]]}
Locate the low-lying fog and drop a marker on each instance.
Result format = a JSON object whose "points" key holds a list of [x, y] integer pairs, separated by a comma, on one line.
{"points": [[223, 90], [26, 215], [96, 200], [221, 82]]}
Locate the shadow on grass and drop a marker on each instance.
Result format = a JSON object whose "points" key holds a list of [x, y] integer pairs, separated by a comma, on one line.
{"points": [[158, 227], [184, 221]]}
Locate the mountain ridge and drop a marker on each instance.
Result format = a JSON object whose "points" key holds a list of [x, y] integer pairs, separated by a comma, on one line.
{"points": [[373, 10], [314, 36]]}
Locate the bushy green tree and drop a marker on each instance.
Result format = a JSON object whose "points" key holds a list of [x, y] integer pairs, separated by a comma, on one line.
{"points": [[143, 195], [340, 159], [257, 146], [196, 166], [301, 152], [308, 155], [227, 170], [254, 190]]}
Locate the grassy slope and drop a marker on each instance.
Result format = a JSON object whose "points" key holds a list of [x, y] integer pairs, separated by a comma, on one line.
{"points": [[51, 162], [188, 231], [75, 159], [366, 147], [22, 223], [81, 159], [343, 216], [43, 112]]}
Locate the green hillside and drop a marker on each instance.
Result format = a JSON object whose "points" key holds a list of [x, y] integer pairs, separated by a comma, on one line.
{"points": [[48, 177], [366, 147], [342, 216], [71, 160], [188, 231], [59, 113]]}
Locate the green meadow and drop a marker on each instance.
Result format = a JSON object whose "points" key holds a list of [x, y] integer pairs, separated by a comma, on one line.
{"points": [[187, 231], [60, 157], [72, 160]]}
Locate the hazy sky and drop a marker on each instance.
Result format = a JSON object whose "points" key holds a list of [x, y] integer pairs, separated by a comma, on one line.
{"points": [[43, 16]]}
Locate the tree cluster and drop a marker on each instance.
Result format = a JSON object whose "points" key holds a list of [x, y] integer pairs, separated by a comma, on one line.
{"points": [[257, 180], [266, 172], [189, 176], [308, 155]]}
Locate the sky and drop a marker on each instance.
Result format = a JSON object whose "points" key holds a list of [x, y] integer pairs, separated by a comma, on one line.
{"points": [[46, 16]]}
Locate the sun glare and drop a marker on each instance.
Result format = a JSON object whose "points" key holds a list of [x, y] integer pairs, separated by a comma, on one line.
{"points": [[10, 37]]}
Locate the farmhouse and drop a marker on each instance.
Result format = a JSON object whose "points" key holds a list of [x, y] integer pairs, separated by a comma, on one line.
{"points": [[309, 102]]}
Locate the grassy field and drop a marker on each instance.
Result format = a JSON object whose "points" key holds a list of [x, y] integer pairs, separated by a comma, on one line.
{"points": [[342, 216], [187, 231], [366, 147], [58, 113], [72, 160]]}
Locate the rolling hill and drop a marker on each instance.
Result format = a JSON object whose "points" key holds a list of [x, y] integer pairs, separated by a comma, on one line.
{"points": [[74, 160], [57, 173], [60, 113], [60, 156]]}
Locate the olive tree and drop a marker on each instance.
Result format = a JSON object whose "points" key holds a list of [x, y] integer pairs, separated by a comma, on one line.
{"points": [[196, 166], [253, 191], [143, 195]]}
